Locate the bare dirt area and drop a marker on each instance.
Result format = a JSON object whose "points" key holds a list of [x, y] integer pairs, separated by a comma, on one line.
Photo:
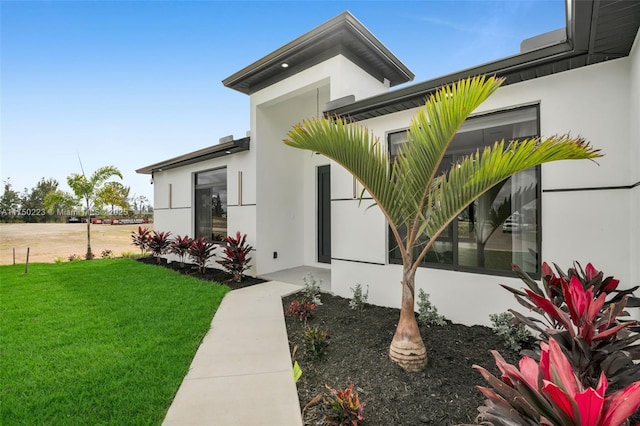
{"points": [[47, 241]]}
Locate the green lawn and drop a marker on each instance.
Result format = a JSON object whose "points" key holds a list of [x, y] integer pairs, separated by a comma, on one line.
{"points": [[99, 342]]}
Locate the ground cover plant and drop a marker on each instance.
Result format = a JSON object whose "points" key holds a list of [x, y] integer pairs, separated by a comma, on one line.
{"points": [[101, 342]]}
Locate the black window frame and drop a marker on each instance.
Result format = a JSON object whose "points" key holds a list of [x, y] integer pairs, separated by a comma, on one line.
{"points": [[453, 226], [207, 185]]}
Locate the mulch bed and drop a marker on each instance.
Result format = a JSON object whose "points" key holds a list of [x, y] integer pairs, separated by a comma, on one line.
{"points": [[443, 394], [210, 274]]}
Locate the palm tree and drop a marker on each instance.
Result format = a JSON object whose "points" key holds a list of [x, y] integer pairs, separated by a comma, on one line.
{"points": [[410, 192], [87, 191]]}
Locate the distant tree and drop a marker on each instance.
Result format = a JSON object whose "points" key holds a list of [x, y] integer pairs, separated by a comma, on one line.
{"points": [[33, 209], [9, 204], [115, 194], [86, 190]]}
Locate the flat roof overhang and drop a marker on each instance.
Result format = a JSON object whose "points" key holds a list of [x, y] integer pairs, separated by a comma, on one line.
{"points": [[219, 150], [597, 31], [343, 34]]}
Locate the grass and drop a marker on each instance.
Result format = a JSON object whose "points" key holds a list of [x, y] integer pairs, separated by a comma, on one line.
{"points": [[100, 342]]}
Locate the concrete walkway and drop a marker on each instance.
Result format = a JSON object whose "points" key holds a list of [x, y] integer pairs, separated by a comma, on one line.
{"points": [[242, 372]]}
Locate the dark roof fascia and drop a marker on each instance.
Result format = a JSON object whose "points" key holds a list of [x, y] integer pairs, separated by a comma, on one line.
{"points": [[219, 150], [420, 91], [309, 40], [581, 23]]}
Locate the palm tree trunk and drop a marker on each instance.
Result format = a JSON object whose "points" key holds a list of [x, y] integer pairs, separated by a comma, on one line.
{"points": [[89, 255], [407, 348]]}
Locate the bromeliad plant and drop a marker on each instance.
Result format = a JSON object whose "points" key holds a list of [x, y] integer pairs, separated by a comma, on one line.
{"points": [[417, 200], [236, 256], [200, 251], [141, 239], [159, 244], [180, 247], [576, 313], [549, 393]]}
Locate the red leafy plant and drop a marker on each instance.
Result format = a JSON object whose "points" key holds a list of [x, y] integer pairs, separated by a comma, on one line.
{"points": [[576, 313], [343, 407], [301, 309], [141, 239], [159, 244], [236, 256], [549, 393], [200, 251], [180, 247]]}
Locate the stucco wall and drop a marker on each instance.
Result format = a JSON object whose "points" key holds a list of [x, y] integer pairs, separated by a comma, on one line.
{"points": [[634, 159]]}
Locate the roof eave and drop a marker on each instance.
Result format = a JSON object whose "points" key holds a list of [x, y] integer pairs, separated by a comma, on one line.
{"points": [[219, 150]]}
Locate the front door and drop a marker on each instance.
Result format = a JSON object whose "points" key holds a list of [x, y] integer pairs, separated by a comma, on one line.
{"points": [[324, 214]]}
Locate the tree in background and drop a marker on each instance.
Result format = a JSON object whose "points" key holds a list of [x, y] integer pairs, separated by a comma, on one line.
{"points": [[417, 201], [9, 204], [33, 202], [87, 190], [115, 194]]}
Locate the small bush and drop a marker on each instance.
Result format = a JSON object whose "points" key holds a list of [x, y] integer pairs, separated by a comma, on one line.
{"points": [[126, 254], [58, 259], [159, 244], [311, 289], [316, 340], [359, 298], [427, 313], [200, 251], [141, 239], [236, 256], [514, 335], [107, 254], [301, 309], [343, 407], [180, 247], [74, 257]]}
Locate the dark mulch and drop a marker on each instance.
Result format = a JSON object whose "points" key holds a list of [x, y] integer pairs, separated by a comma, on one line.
{"points": [[210, 274], [443, 394]]}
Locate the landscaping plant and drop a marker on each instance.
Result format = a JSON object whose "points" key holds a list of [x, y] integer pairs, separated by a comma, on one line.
{"points": [[581, 311], [343, 407], [159, 244], [427, 313], [236, 256], [316, 340], [359, 299], [200, 251], [514, 334], [180, 247], [301, 309], [548, 392], [311, 289], [141, 239], [417, 201]]}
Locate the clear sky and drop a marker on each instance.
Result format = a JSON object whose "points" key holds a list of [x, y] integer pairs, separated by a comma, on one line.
{"points": [[131, 83]]}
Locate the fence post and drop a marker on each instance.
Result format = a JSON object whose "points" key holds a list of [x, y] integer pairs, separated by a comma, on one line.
{"points": [[26, 265]]}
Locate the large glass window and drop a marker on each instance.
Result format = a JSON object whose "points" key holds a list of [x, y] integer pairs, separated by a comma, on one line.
{"points": [[211, 204], [501, 227]]}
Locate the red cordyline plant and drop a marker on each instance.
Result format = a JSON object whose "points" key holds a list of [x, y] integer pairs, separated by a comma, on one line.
{"points": [[141, 239], [236, 256], [180, 247], [549, 393], [201, 250], [343, 407], [576, 313], [159, 244]]}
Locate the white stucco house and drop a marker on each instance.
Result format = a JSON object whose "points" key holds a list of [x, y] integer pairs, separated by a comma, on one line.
{"points": [[301, 209]]}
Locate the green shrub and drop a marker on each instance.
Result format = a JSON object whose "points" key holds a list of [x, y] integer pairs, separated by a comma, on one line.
{"points": [[107, 254], [427, 313], [316, 340], [359, 299], [514, 334], [311, 289]]}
